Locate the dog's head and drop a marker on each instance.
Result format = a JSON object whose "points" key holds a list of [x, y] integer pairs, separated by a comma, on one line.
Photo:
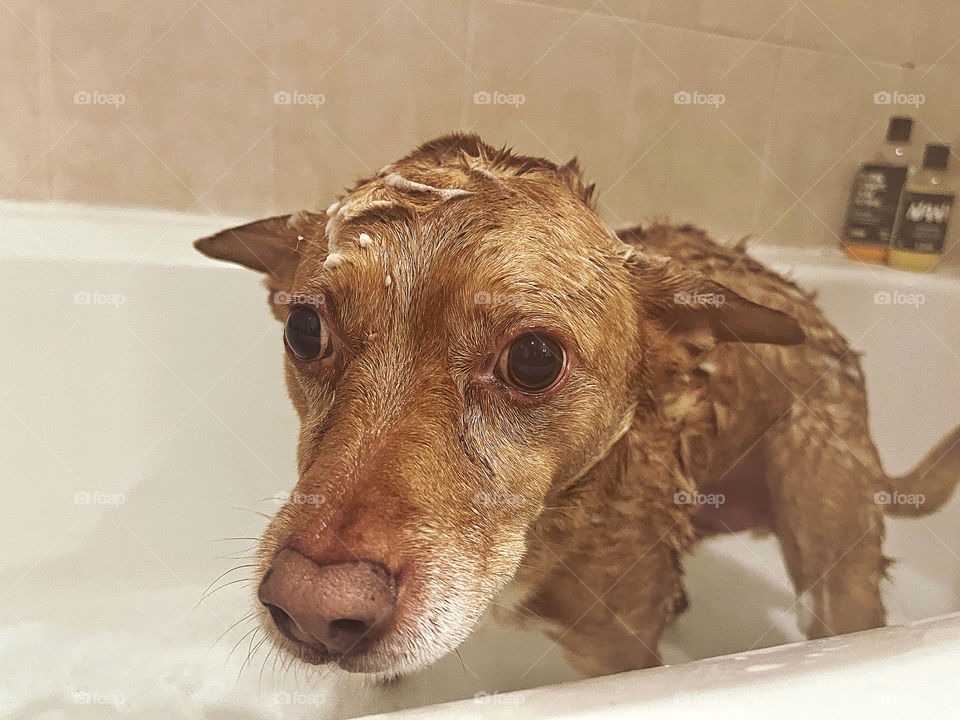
{"points": [[462, 334]]}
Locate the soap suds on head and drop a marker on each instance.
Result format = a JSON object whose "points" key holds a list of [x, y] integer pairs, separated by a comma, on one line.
{"points": [[333, 259], [330, 230], [401, 183], [388, 281], [344, 210], [487, 173], [364, 240], [299, 219], [354, 208]]}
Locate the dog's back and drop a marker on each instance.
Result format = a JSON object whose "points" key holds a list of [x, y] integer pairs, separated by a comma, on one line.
{"points": [[742, 390]]}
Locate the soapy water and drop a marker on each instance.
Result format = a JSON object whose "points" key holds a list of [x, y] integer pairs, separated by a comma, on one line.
{"points": [[133, 652]]}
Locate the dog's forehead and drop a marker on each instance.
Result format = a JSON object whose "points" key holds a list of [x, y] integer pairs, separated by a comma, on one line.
{"points": [[405, 230], [414, 248]]}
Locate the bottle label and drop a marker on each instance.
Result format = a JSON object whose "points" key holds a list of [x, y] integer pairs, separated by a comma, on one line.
{"points": [[873, 203], [922, 225]]}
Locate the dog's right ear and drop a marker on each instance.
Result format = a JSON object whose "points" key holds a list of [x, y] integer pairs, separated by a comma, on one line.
{"points": [[699, 312], [269, 246]]}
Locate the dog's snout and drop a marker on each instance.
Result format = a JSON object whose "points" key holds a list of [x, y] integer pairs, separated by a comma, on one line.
{"points": [[334, 608]]}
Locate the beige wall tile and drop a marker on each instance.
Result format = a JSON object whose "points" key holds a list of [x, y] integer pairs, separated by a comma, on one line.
{"points": [[579, 6], [201, 126], [939, 87], [391, 77], [936, 36], [753, 19], [879, 31], [825, 123], [750, 19], [101, 40], [574, 73], [696, 162], [24, 126], [100, 162], [680, 13], [188, 127], [882, 30]]}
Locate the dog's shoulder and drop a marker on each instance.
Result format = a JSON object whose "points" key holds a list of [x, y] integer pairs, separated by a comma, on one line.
{"points": [[732, 266], [696, 250]]}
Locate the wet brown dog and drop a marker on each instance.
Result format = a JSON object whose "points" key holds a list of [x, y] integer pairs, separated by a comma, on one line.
{"points": [[493, 388]]}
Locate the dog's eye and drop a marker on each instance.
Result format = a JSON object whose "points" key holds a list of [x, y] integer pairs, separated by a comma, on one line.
{"points": [[531, 363], [306, 334]]}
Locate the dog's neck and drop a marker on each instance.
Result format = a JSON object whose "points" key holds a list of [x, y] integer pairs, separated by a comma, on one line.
{"points": [[602, 453]]}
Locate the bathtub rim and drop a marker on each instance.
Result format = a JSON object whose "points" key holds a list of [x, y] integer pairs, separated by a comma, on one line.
{"points": [[133, 239]]}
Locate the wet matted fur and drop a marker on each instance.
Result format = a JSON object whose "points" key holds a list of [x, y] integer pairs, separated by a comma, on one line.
{"points": [[691, 371]]}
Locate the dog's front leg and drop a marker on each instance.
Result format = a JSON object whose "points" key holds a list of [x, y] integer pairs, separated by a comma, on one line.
{"points": [[608, 609], [606, 563]]}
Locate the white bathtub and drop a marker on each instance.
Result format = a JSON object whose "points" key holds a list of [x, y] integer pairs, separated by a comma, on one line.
{"points": [[143, 422]]}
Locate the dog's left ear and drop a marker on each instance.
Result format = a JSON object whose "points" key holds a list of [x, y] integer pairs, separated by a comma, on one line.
{"points": [[701, 312], [269, 246]]}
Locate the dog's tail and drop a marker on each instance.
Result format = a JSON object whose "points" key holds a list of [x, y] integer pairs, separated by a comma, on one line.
{"points": [[930, 484]]}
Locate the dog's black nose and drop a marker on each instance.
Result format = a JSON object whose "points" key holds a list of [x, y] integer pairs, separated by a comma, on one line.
{"points": [[330, 608]]}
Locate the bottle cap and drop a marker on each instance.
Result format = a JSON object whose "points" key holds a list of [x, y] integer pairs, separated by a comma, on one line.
{"points": [[899, 129], [935, 157]]}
